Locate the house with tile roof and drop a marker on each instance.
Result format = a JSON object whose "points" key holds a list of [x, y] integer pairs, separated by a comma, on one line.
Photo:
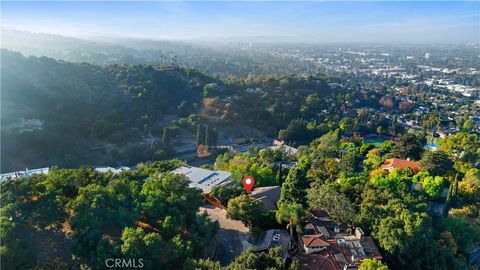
{"points": [[397, 163], [328, 244], [314, 243]]}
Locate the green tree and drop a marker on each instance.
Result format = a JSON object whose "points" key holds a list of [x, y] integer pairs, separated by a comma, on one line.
{"points": [[148, 246], [201, 131], [294, 188], [468, 125], [202, 264], [292, 214], [244, 208], [409, 146], [211, 136], [436, 162], [260, 261], [327, 146], [431, 185], [394, 180], [296, 131], [372, 264], [469, 187], [183, 108], [463, 148], [373, 159], [210, 90], [464, 233], [337, 205], [397, 233], [167, 136], [14, 249], [350, 160], [346, 125], [160, 199]]}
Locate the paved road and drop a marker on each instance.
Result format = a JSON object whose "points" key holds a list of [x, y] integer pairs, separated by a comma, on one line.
{"points": [[231, 238]]}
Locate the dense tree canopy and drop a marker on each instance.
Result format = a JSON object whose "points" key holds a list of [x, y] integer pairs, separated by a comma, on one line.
{"points": [[409, 146], [337, 205], [244, 208], [345, 126], [372, 264], [436, 162], [106, 216], [261, 261]]}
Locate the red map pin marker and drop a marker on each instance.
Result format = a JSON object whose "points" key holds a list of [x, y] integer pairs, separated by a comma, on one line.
{"points": [[248, 183]]}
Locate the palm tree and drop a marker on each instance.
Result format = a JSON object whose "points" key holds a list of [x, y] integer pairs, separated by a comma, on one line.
{"points": [[291, 213]]}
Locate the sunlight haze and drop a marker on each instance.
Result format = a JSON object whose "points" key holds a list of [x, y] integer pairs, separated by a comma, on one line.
{"points": [[382, 22]]}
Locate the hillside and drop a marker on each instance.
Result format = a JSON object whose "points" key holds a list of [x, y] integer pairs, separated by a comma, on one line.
{"points": [[214, 58], [69, 114], [54, 112]]}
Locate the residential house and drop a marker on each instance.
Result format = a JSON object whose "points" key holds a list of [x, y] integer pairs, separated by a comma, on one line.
{"points": [[314, 243], [278, 144], [205, 180], [268, 195], [328, 244], [397, 163], [323, 260], [271, 239]]}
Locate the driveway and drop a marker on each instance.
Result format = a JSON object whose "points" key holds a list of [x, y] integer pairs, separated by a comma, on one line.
{"points": [[231, 238]]}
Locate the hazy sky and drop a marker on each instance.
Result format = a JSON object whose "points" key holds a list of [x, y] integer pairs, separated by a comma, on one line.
{"points": [[289, 21]]}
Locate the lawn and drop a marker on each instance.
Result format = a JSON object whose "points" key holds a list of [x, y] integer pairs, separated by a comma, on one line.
{"points": [[374, 141]]}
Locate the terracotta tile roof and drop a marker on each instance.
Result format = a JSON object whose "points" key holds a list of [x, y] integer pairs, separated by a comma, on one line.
{"points": [[401, 164], [318, 261], [372, 249], [314, 241]]}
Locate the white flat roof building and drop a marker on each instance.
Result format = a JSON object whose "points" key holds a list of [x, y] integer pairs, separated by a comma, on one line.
{"points": [[105, 169], [25, 173], [203, 179]]}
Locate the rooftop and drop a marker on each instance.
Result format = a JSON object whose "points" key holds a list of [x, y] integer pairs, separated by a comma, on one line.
{"points": [[25, 173], [203, 179], [268, 195], [401, 164], [314, 241], [345, 245], [105, 169], [272, 238], [318, 261]]}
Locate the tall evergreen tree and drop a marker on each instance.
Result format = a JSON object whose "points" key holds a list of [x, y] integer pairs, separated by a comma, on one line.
{"points": [[201, 131], [294, 189]]}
